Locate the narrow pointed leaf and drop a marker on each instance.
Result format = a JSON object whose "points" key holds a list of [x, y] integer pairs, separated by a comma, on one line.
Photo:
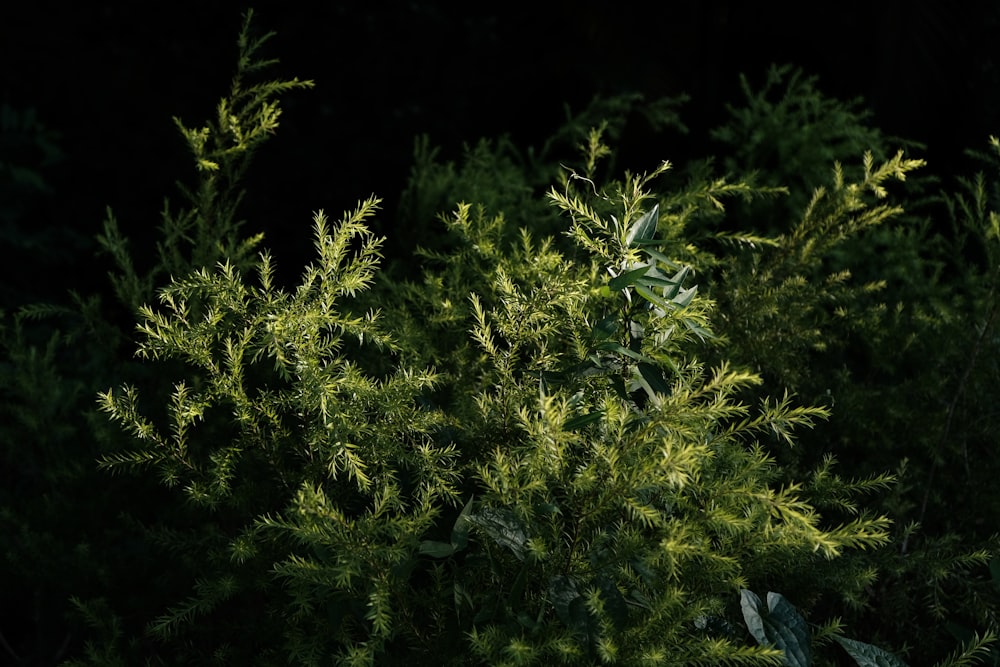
{"points": [[460, 531], [629, 278], [660, 257], [685, 296], [615, 347], [654, 298], [580, 421]]}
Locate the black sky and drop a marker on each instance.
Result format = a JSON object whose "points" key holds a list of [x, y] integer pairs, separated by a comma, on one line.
{"points": [[109, 77]]}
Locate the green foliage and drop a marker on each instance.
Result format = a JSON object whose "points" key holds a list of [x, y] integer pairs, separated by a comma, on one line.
{"points": [[615, 489], [870, 298], [208, 230], [779, 298], [589, 415], [780, 624], [787, 133]]}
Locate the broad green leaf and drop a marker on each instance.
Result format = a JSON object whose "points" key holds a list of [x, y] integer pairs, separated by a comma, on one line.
{"points": [[867, 655], [568, 603], [618, 385], [562, 592], [654, 281], [462, 598], [547, 508], [526, 621], [436, 549], [644, 228], [605, 328], [517, 588], [652, 375], [779, 625], [641, 243], [504, 527], [660, 257], [753, 615], [680, 275], [655, 278], [489, 609], [792, 632]]}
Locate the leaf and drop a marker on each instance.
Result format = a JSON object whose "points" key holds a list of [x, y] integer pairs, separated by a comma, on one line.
{"points": [[568, 603], [460, 531], [614, 602], [615, 347], [644, 228], [685, 296], [462, 598], [780, 625], [504, 527], [673, 283], [562, 591], [867, 655], [680, 275], [436, 549], [654, 298], [605, 328], [652, 375], [752, 616], [526, 621], [629, 278], [580, 421], [517, 588], [547, 508], [660, 257]]}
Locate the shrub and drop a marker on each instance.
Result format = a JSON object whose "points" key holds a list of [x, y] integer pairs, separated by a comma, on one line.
{"points": [[584, 430]]}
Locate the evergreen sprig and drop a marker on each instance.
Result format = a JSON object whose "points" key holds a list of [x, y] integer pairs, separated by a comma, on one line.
{"points": [[207, 229]]}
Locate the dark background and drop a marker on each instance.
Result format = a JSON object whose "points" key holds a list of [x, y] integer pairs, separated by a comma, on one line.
{"points": [[108, 77]]}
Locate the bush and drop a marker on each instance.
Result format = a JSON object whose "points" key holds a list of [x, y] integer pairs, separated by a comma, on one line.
{"points": [[584, 430]]}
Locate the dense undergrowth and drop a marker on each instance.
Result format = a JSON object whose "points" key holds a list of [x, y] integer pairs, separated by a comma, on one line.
{"points": [[735, 411]]}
